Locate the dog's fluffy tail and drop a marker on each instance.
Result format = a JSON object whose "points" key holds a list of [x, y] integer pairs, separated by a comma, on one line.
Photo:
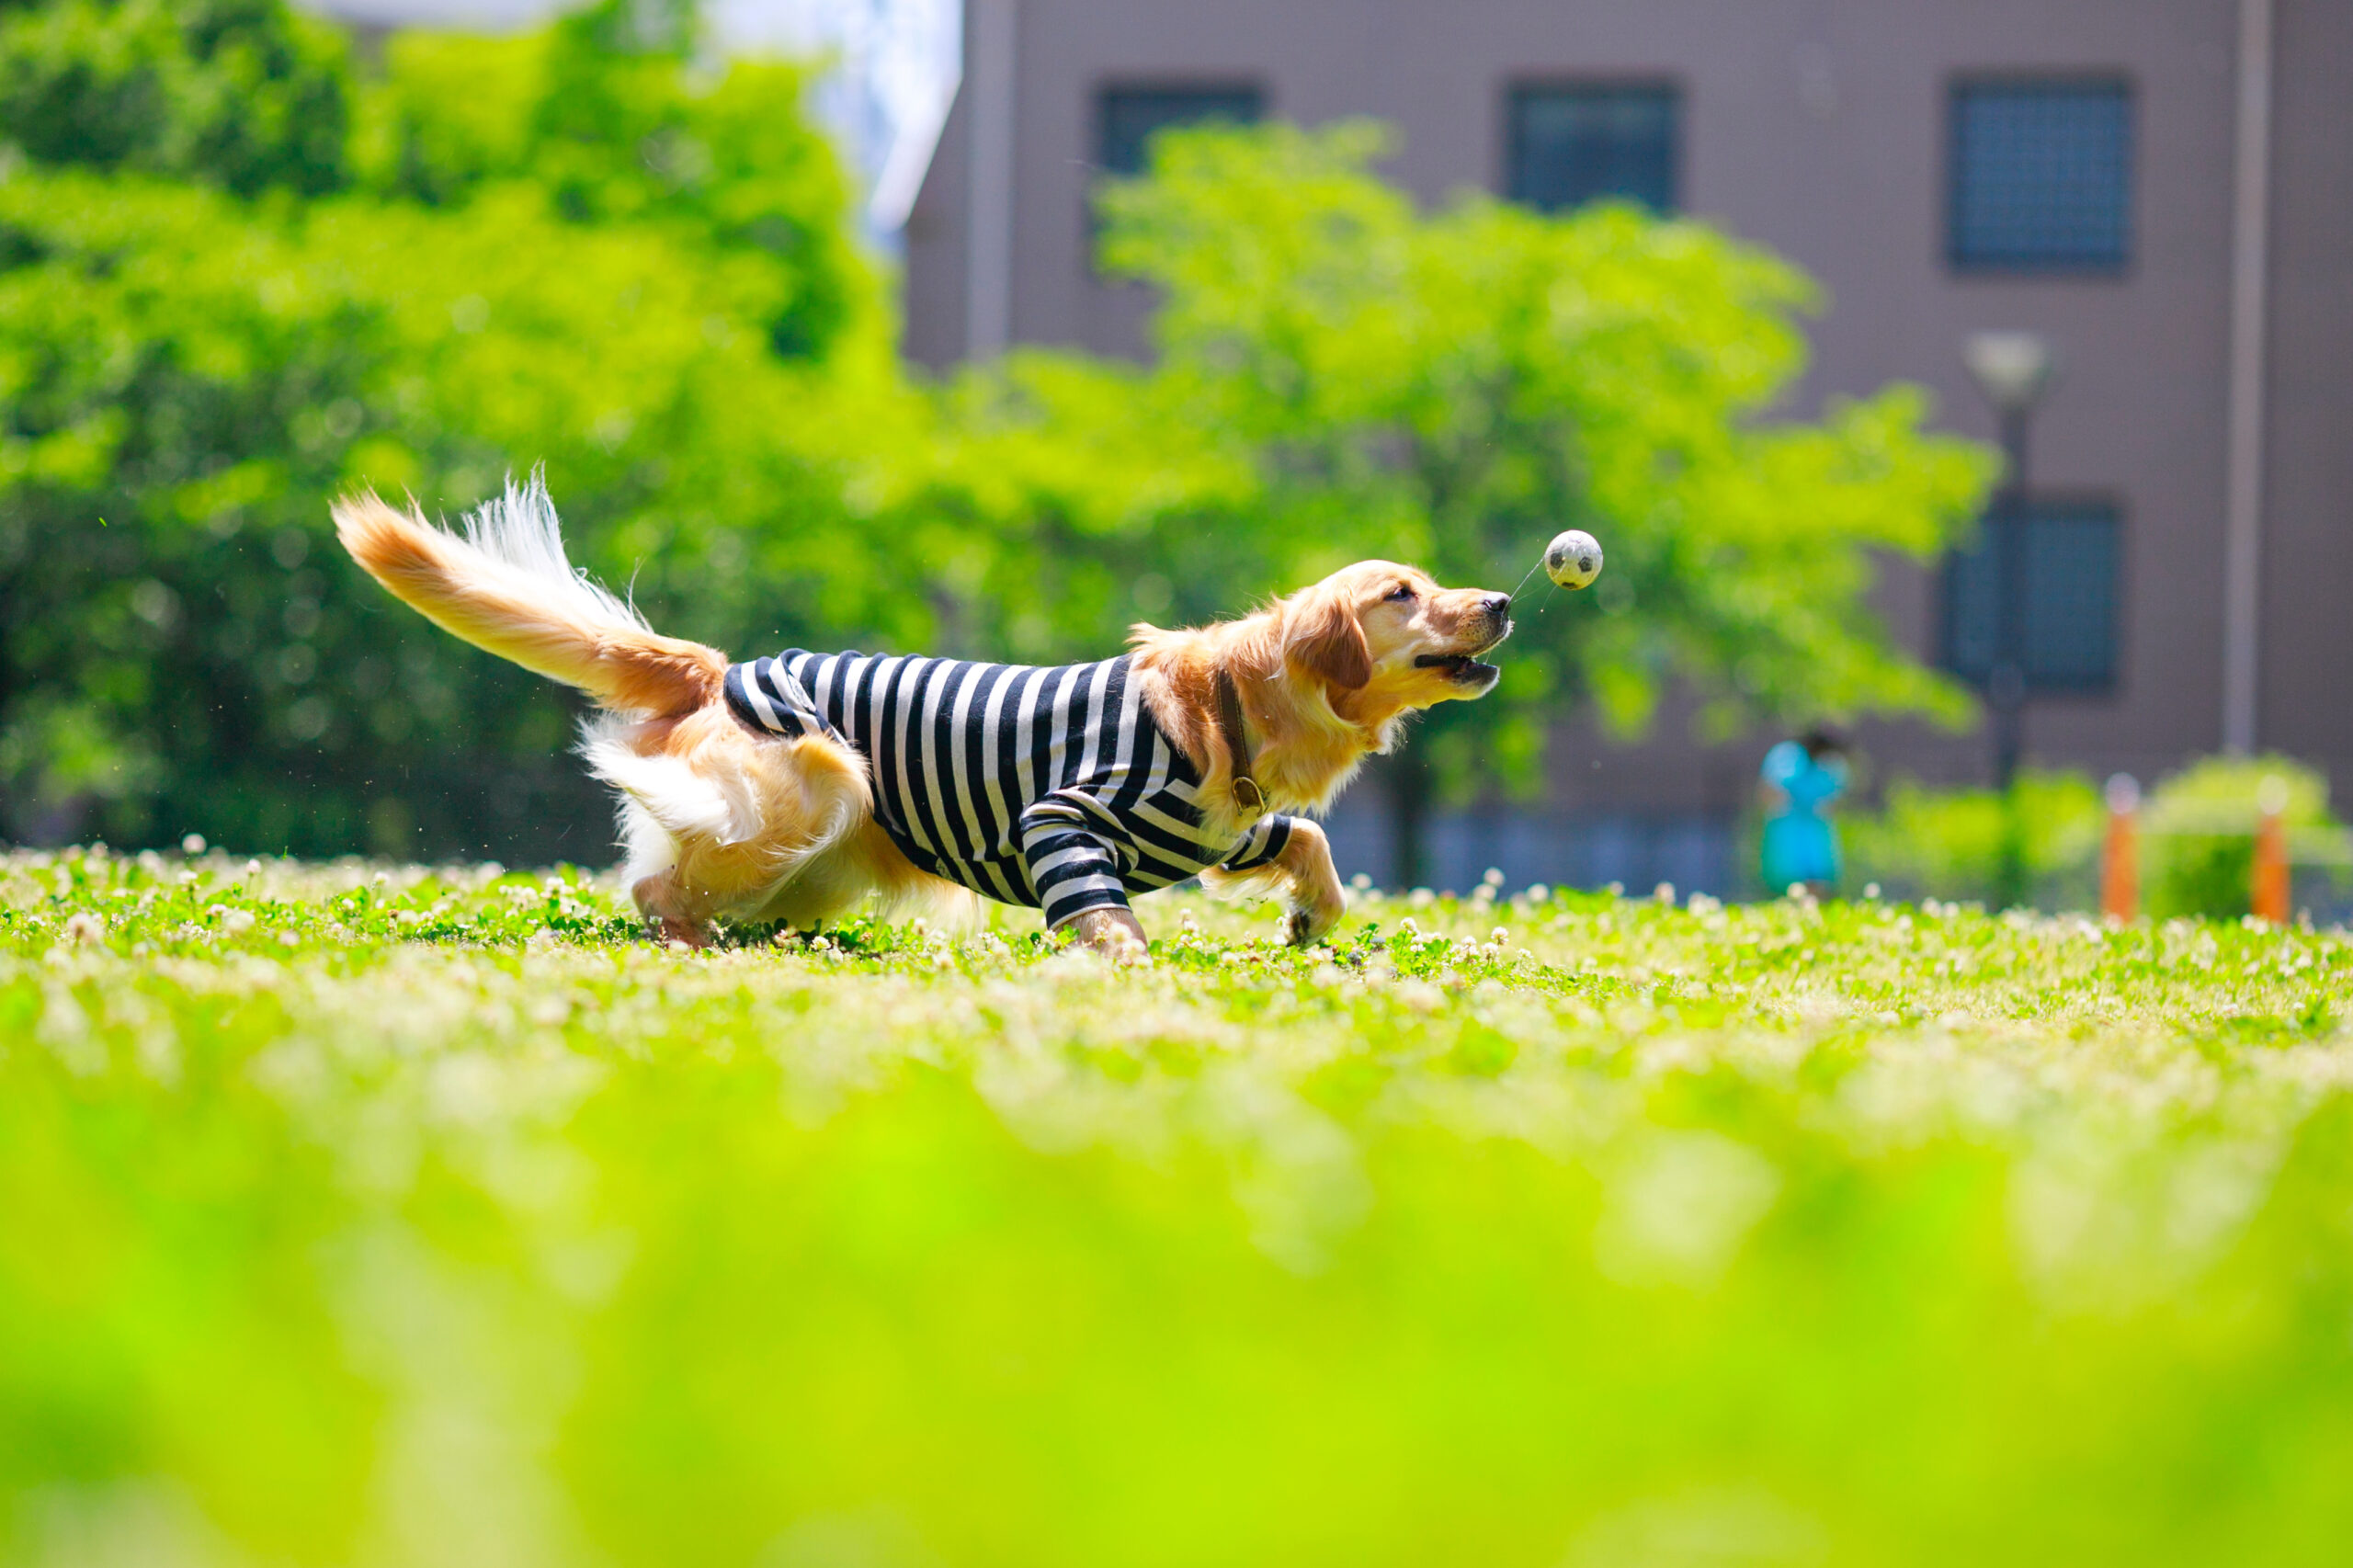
{"points": [[506, 587]]}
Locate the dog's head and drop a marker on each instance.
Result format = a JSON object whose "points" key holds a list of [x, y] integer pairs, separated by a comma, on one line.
{"points": [[1385, 638]]}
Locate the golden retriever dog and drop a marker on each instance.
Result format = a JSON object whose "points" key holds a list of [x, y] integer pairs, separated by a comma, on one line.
{"points": [[796, 788]]}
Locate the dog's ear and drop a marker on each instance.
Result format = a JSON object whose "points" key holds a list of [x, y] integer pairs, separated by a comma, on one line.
{"points": [[1321, 637]]}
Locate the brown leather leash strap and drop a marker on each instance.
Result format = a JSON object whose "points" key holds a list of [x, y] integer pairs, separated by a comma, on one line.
{"points": [[1247, 793]]}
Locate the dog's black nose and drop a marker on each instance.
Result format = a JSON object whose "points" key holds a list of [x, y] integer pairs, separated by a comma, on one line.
{"points": [[1496, 604]]}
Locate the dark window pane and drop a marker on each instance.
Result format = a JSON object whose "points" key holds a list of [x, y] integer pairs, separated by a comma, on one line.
{"points": [[1973, 609], [1126, 119], [2041, 177], [1572, 146], [2071, 599]]}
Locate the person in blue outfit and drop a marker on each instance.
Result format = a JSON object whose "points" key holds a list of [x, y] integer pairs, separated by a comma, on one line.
{"points": [[1800, 778]]}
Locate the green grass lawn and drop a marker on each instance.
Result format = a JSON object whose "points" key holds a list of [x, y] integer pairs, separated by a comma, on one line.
{"points": [[383, 1215]]}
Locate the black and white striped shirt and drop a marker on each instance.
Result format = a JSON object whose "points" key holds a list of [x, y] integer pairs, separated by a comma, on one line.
{"points": [[1047, 787]]}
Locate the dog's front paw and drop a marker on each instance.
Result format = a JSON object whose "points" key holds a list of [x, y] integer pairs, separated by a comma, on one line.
{"points": [[1114, 933]]}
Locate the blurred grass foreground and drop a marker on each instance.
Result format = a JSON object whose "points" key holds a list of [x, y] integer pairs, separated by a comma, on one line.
{"points": [[374, 1214]]}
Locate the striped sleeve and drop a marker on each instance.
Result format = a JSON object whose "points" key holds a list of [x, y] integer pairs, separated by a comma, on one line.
{"points": [[1071, 854], [1259, 846]]}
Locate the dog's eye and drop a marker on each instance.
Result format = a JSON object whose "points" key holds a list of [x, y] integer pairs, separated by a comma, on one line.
{"points": [[1401, 593]]}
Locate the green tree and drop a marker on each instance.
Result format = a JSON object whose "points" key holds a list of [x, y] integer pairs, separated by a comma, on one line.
{"points": [[194, 357], [242, 94], [606, 114], [1339, 375]]}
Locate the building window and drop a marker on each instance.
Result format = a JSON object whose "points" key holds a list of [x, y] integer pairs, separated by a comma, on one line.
{"points": [[2069, 570], [2041, 177], [1569, 145], [1126, 119]]}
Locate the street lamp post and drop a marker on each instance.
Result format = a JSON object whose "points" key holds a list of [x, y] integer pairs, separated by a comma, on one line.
{"points": [[2006, 682], [2013, 370]]}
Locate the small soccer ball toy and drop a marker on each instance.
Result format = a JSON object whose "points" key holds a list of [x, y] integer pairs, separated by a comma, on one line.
{"points": [[1574, 560]]}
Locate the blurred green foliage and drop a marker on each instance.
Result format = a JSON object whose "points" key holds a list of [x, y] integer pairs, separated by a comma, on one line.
{"points": [[242, 94], [2195, 840], [1947, 844], [383, 1215], [569, 248], [239, 272], [2201, 821]]}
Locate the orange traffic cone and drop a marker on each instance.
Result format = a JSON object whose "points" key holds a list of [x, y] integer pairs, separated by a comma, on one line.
{"points": [[2269, 894], [2120, 864]]}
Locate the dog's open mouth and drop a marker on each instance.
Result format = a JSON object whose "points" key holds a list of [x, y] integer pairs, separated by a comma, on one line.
{"points": [[1460, 667], [1465, 668]]}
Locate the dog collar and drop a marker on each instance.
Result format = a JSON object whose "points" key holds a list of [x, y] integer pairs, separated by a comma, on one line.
{"points": [[1247, 793]]}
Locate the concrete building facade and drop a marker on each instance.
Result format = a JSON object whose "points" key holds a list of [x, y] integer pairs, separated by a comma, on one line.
{"points": [[2205, 400]]}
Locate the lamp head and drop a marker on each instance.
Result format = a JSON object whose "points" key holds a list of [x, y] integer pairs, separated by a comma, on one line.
{"points": [[2012, 369]]}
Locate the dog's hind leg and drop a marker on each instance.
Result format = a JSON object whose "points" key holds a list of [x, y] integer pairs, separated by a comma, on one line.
{"points": [[861, 863], [667, 907]]}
